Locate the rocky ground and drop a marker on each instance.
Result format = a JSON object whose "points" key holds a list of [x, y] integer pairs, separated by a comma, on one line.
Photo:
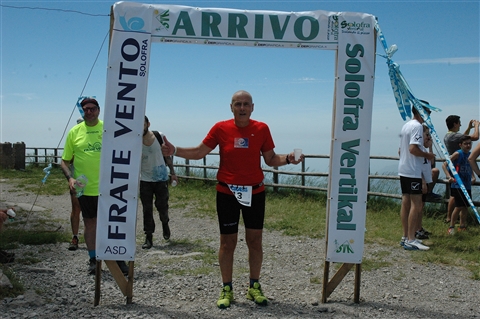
{"points": [[180, 278]]}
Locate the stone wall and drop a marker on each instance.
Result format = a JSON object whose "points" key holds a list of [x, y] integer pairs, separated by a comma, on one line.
{"points": [[12, 156]]}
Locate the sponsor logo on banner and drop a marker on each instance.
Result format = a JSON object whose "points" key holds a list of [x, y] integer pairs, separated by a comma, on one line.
{"points": [[355, 27], [332, 27], [218, 42], [311, 46], [345, 248], [132, 24], [270, 45], [164, 18], [173, 40]]}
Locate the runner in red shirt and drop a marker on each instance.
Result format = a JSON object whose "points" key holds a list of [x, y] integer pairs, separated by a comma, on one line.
{"points": [[242, 142]]}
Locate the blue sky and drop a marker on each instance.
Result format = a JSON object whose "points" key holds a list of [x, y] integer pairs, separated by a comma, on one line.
{"points": [[47, 57]]}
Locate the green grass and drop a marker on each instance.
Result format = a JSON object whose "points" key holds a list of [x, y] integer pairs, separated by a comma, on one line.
{"points": [[30, 180], [295, 214], [462, 249], [13, 235]]}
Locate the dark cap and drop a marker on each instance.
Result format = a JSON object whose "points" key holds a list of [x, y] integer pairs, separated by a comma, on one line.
{"points": [[89, 100]]}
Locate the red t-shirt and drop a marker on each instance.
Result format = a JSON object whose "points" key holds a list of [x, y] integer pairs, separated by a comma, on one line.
{"points": [[240, 152]]}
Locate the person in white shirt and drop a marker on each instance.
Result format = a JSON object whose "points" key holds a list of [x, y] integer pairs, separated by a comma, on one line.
{"points": [[410, 172], [154, 183]]}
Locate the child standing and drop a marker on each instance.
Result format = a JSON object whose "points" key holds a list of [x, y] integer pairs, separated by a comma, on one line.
{"points": [[429, 178], [462, 166], [429, 172]]}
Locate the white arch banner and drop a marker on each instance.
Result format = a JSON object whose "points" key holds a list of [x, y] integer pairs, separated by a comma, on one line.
{"points": [[136, 26]]}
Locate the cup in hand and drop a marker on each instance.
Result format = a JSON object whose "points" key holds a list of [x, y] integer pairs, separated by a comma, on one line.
{"points": [[80, 184], [297, 152]]}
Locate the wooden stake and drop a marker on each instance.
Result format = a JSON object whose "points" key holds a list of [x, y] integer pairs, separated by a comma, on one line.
{"points": [[125, 284], [329, 286]]}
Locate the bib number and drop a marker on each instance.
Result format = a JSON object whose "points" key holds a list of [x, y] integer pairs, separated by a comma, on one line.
{"points": [[243, 194]]}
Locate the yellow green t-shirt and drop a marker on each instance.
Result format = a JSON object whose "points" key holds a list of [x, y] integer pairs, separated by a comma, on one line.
{"points": [[85, 144]]}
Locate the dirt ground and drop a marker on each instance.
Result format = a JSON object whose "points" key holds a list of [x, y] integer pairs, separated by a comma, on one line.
{"points": [[180, 278]]}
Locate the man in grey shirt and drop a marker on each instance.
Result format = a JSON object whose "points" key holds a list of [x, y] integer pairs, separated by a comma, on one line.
{"points": [[451, 141]]}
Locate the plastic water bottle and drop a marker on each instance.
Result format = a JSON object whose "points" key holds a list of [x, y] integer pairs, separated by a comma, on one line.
{"points": [[174, 183], [80, 184]]}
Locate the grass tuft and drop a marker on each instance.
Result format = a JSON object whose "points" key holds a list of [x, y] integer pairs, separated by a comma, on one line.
{"points": [[11, 237]]}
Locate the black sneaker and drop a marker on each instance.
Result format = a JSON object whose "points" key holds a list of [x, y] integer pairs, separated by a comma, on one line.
{"points": [[148, 242], [420, 234], [123, 267], [426, 232], [166, 231], [92, 266], [73, 244]]}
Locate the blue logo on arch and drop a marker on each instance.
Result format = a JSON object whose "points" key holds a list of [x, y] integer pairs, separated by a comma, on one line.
{"points": [[133, 24]]}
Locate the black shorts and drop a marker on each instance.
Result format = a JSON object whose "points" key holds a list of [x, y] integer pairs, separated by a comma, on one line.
{"points": [[460, 199], [89, 206], [228, 212], [411, 186]]}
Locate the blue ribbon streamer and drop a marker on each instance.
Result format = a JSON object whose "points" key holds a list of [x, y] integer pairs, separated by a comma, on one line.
{"points": [[405, 99]]}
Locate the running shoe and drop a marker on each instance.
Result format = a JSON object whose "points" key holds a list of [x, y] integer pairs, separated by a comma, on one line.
{"points": [[73, 244], [426, 232], [451, 230], [148, 242], [421, 234], [414, 245], [226, 297], [166, 231], [255, 294], [92, 266]]}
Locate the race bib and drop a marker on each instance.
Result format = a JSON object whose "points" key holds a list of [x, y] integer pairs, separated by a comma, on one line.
{"points": [[243, 194]]}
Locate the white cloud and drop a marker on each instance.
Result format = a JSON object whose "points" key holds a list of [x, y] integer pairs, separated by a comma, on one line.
{"points": [[463, 60], [306, 79], [26, 96]]}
